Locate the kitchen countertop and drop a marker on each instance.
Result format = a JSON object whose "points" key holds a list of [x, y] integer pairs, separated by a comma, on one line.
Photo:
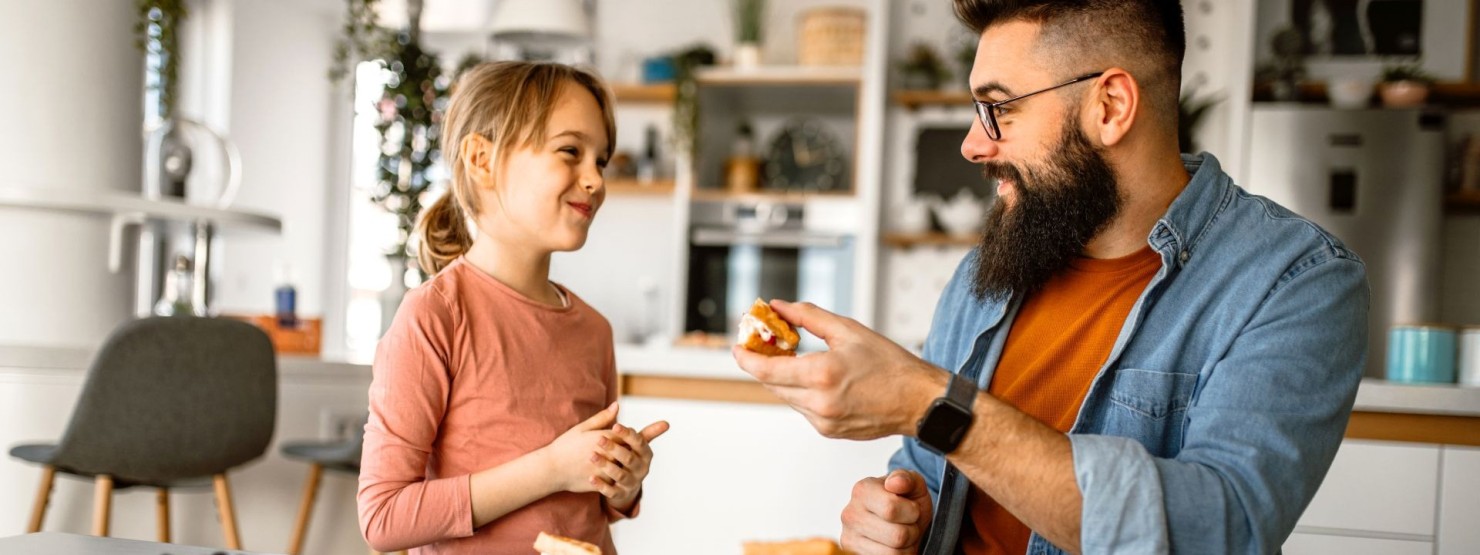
{"points": [[702, 364]]}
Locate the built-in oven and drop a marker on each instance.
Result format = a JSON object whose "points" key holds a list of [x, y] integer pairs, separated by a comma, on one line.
{"points": [[741, 251]]}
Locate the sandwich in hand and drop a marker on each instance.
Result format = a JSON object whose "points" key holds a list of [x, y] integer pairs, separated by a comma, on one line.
{"points": [[763, 331], [550, 544]]}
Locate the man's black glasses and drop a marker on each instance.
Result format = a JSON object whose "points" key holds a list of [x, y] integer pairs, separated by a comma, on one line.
{"points": [[987, 111]]}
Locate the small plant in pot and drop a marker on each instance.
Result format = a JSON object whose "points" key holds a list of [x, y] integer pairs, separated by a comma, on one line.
{"points": [[1404, 85], [923, 69]]}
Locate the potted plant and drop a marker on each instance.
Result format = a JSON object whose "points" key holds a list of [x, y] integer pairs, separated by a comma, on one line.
{"points": [[923, 68], [1404, 85], [749, 15]]}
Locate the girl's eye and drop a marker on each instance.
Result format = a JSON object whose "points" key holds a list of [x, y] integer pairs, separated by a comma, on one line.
{"points": [[601, 163], [573, 151]]}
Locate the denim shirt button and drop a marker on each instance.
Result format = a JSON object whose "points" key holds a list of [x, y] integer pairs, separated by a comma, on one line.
{"points": [[1183, 257]]}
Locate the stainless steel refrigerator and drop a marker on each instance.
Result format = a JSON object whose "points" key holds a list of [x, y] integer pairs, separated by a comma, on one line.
{"points": [[1372, 177]]}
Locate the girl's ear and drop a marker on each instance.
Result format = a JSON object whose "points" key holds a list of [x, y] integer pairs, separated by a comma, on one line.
{"points": [[476, 153]]}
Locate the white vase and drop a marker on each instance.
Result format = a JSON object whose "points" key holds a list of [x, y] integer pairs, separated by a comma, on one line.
{"points": [[747, 55]]}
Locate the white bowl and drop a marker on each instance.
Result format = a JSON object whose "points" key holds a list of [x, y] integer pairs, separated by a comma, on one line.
{"points": [[1350, 92]]}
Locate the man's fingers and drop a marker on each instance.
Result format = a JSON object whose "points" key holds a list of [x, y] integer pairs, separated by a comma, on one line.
{"points": [[907, 484], [819, 322], [783, 371]]}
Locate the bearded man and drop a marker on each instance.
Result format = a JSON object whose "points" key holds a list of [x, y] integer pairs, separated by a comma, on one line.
{"points": [[1139, 357]]}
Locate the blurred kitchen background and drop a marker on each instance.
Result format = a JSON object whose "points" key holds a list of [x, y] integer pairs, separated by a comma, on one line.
{"points": [[265, 160]]}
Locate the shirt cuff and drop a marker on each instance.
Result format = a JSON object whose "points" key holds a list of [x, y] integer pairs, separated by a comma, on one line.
{"points": [[613, 515], [1123, 510]]}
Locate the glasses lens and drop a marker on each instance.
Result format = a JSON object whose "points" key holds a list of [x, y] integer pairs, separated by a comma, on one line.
{"points": [[989, 120]]}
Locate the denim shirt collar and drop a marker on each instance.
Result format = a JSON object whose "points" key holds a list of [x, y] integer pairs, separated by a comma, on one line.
{"points": [[1193, 211]]}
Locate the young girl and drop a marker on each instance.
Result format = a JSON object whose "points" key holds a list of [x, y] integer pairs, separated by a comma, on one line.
{"points": [[492, 409]]}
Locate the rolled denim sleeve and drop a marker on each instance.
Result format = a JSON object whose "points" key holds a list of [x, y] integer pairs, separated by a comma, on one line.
{"points": [[1261, 430]]}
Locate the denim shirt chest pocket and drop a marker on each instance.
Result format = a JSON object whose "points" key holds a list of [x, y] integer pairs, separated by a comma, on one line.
{"points": [[1150, 406]]}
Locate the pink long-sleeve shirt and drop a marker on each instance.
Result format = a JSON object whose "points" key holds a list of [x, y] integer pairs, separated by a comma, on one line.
{"points": [[471, 375]]}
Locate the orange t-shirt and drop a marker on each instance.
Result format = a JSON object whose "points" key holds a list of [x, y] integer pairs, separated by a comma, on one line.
{"points": [[1063, 334], [471, 375]]}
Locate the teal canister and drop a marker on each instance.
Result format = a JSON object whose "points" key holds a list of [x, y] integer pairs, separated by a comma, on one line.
{"points": [[1421, 354]]}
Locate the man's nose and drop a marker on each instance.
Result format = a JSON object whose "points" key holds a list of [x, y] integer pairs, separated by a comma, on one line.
{"points": [[977, 147]]}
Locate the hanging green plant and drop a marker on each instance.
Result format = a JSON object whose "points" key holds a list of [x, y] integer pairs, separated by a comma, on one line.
{"points": [[410, 127], [158, 35], [361, 39], [686, 66]]}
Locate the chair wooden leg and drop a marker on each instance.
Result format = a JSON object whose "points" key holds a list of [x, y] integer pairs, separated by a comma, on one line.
{"points": [[305, 509], [102, 504], [228, 514], [43, 497], [162, 507]]}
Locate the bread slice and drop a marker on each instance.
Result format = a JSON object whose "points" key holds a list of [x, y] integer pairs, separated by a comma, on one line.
{"points": [[763, 331], [815, 546], [550, 544]]}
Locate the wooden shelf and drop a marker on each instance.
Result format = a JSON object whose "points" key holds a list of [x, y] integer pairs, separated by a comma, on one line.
{"points": [[910, 240], [626, 187], [654, 93], [782, 76], [772, 196], [915, 99], [1445, 94], [1462, 202]]}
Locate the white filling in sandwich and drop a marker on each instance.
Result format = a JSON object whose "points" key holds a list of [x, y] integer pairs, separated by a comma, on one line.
{"points": [[749, 324]]}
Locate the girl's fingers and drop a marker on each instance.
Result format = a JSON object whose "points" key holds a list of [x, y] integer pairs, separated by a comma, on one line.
{"points": [[613, 471], [603, 487], [620, 454]]}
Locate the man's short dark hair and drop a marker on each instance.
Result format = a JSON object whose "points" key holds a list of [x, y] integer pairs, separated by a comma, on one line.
{"points": [[1146, 37]]}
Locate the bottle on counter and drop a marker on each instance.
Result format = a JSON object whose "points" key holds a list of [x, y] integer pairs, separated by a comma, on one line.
{"points": [[647, 166], [285, 297], [174, 300], [743, 168]]}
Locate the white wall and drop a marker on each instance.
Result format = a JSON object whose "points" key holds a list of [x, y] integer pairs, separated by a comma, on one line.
{"points": [[75, 107], [280, 111]]}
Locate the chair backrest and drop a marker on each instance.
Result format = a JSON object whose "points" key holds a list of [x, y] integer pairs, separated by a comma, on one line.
{"points": [[174, 398]]}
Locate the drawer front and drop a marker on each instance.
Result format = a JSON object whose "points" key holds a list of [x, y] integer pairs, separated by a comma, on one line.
{"points": [[1378, 486]]}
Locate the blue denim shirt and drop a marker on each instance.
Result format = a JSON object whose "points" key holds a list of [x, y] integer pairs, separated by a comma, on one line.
{"points": [[1224, 398]]}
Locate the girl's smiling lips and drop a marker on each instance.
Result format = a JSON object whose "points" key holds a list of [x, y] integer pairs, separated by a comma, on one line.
{"points": [[584, 208]]}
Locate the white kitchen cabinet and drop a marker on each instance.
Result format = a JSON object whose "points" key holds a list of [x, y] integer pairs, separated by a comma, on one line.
{"points": [[729, 472], [1378, 487], [1322, 544], [1459, 502]]}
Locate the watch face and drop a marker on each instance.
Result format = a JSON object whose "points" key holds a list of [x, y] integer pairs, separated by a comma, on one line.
{"points": [[943, 426], [805, 156]]}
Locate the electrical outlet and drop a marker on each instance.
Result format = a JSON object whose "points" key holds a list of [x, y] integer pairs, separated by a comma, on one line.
{"points": [[339, 424]]}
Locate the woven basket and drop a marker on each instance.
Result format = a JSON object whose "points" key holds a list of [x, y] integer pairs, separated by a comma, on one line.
{"points": [[831, 36]]}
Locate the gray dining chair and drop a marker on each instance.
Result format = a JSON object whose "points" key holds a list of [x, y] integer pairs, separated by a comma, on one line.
{"points": [[168, 402], [341, 456]]}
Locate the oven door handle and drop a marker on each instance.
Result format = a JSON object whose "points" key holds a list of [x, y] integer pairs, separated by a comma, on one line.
{"points": [[708, 237]]}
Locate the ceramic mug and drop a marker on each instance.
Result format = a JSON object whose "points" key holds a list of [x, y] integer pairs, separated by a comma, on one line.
{"points": [[1421, 354]]}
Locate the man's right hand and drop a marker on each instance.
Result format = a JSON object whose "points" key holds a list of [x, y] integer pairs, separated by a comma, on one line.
{"points": [[887, 515]]}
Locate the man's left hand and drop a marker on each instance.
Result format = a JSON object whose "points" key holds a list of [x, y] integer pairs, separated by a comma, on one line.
{"points": [[863, 387]]}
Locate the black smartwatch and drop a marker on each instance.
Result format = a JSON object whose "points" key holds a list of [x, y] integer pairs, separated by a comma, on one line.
{"points": [[948, 418]]}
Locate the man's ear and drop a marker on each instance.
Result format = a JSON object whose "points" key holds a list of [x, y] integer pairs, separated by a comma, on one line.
{"points": [[476, 155], [1116, 103]]}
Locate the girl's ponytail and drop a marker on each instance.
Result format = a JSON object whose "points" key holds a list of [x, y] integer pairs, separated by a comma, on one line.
{"points": [[444, 234]]}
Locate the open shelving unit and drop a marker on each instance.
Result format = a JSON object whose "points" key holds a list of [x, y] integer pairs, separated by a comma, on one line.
{"points": [[927, 239], [629, 187]]}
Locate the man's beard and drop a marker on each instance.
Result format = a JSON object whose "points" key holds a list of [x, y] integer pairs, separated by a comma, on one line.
{"points": [[1057, 210]]}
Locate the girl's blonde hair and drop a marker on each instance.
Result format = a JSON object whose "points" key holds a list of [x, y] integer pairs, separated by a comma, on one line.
{"points": [[509, 103]]}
